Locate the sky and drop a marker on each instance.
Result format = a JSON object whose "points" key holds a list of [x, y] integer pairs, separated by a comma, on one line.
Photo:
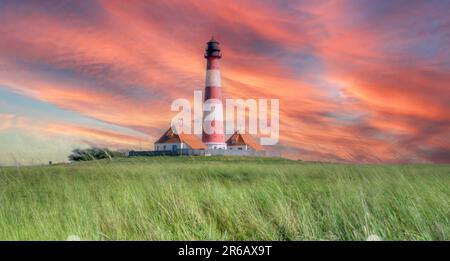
{"points": [[358, 81]]}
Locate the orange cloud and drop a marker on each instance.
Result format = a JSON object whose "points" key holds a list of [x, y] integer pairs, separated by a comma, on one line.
{"points": [[356, 82]]}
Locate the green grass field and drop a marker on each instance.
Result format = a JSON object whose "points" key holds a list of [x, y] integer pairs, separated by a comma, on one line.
{"points": [[224, 198]]}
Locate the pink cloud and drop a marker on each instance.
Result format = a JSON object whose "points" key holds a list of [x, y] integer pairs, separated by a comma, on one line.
{"points": [[354, 84]]}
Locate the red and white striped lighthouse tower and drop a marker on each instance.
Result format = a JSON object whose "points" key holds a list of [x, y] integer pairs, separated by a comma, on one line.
{"points": [[213, 95]]}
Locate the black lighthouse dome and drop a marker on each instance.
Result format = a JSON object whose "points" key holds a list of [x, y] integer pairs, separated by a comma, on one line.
{"points": [[213, 49]]}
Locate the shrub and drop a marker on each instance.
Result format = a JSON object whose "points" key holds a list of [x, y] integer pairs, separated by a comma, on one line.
{"points": [[94, 154]]}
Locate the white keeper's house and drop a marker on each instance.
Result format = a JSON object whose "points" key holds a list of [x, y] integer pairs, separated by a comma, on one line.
{"points": [[171, 141], [243, 141]]}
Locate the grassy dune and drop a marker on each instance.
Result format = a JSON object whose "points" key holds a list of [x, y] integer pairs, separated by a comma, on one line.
{"points": [[217, 198]]}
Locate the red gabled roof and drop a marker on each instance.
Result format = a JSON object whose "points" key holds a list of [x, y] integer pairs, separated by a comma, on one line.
{"points": [[190, 139], [169, 137], [240, 139]]}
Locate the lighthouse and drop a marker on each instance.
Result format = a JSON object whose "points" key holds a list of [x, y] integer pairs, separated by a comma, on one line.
{"points": [[213, 133]]}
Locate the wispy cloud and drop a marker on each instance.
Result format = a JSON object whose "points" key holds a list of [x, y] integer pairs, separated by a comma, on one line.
{"points": [[362, 81]]}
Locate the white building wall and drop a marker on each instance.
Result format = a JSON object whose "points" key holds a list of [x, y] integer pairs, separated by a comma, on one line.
{"points": [[239, 147], [170, 146], [216, 146]]}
